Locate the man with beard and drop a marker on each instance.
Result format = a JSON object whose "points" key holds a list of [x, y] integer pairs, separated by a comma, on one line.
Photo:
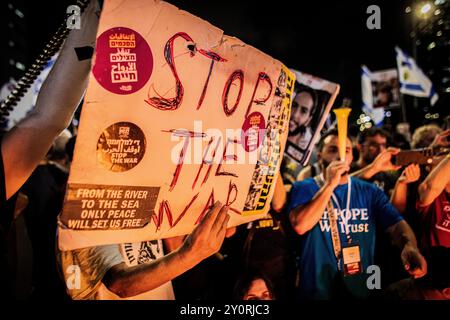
{"points": [[337, 216], [374, 164], [303, 109], [304, 106]]}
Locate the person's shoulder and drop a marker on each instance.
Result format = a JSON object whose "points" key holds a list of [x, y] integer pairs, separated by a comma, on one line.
{"points": [[364, 184], [367, 188], [308, 183]]}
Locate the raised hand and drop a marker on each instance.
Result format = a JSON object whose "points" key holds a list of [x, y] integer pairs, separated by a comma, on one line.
{"points": [[335, 171], [383, 162], [410, 174], [442, 139], [207, 238]]}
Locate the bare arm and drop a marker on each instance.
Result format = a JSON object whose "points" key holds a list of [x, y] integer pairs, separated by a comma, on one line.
{"points": [[205, 240], [435, 182], [127, 281], [303, 218], [279, 195], [399, 196], [381, 163], [28, 142], [400, 193], [172, 244], [403, 237]]}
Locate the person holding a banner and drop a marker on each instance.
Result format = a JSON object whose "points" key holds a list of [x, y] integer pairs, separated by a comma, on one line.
{"points": [[26, 144], [104, 273], [337, 250]]}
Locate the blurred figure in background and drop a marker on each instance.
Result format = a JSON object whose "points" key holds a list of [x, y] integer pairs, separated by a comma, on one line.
{"points": [[374, 163], [424, 136], [253, 285]]}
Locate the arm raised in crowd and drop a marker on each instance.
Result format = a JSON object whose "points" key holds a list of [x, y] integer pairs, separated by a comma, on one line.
{"points": [[442, 139], [24, 146], [304, 217], [435, 182], [403, 237], [279, 195], [205, 240], [399, 196], [381, 163]]}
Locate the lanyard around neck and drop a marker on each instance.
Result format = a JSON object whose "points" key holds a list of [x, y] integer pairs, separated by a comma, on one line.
{"points": [[335, 199]]}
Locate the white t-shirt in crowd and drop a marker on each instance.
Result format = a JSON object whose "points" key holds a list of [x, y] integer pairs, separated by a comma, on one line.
{"points": [[94, 262]]}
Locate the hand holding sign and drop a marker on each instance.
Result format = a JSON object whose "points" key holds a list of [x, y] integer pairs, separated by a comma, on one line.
{"points": [[207, 238]]}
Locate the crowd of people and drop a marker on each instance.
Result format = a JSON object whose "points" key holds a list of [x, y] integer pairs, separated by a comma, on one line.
{"points": [[363, 227]]}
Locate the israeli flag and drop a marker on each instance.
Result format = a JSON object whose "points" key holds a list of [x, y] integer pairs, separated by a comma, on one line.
{"points": [[412, 79], [377, 114]]}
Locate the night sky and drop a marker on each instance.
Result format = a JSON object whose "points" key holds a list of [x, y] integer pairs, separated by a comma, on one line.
{"points": [[328, 39]]}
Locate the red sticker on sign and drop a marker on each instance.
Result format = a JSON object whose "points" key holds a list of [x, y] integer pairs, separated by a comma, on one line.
{"points": [[253, 131], [123, 61]]}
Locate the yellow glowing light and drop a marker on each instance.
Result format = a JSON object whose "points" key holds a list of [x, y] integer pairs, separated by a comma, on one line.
{"points": [[424, 9]]}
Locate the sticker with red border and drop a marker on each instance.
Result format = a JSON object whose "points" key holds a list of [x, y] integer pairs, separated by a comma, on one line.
{"points": [[123, 61], [253, 131]]}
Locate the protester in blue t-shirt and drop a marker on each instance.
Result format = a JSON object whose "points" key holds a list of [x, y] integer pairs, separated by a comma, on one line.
{"points": [[336, 251]]}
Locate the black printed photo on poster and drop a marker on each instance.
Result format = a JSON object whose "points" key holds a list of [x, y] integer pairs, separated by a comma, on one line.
{"points": [[313, 98]]}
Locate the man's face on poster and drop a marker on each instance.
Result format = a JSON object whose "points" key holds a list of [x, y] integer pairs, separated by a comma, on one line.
{"points": [[384, 98], [301, 112]]}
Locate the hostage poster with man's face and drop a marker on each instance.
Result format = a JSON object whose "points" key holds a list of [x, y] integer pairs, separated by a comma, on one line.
{"points": [[313, 99]]}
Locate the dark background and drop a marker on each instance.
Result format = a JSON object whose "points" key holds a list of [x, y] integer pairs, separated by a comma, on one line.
{"points": [[328, 39]]}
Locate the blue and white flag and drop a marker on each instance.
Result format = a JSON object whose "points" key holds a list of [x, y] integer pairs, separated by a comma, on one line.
{"points": [[412, 79], [376, 114]]}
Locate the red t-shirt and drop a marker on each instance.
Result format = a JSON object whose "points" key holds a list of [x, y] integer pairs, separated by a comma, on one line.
{"points": [[435, 220]]}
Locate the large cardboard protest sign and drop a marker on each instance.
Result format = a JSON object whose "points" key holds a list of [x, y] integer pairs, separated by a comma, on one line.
{"points": [[313, 99], [177, 116]]}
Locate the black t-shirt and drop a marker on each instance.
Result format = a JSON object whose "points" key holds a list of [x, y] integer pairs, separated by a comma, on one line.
{"points": [[45, 191], [6, 218], [268, 248]]}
